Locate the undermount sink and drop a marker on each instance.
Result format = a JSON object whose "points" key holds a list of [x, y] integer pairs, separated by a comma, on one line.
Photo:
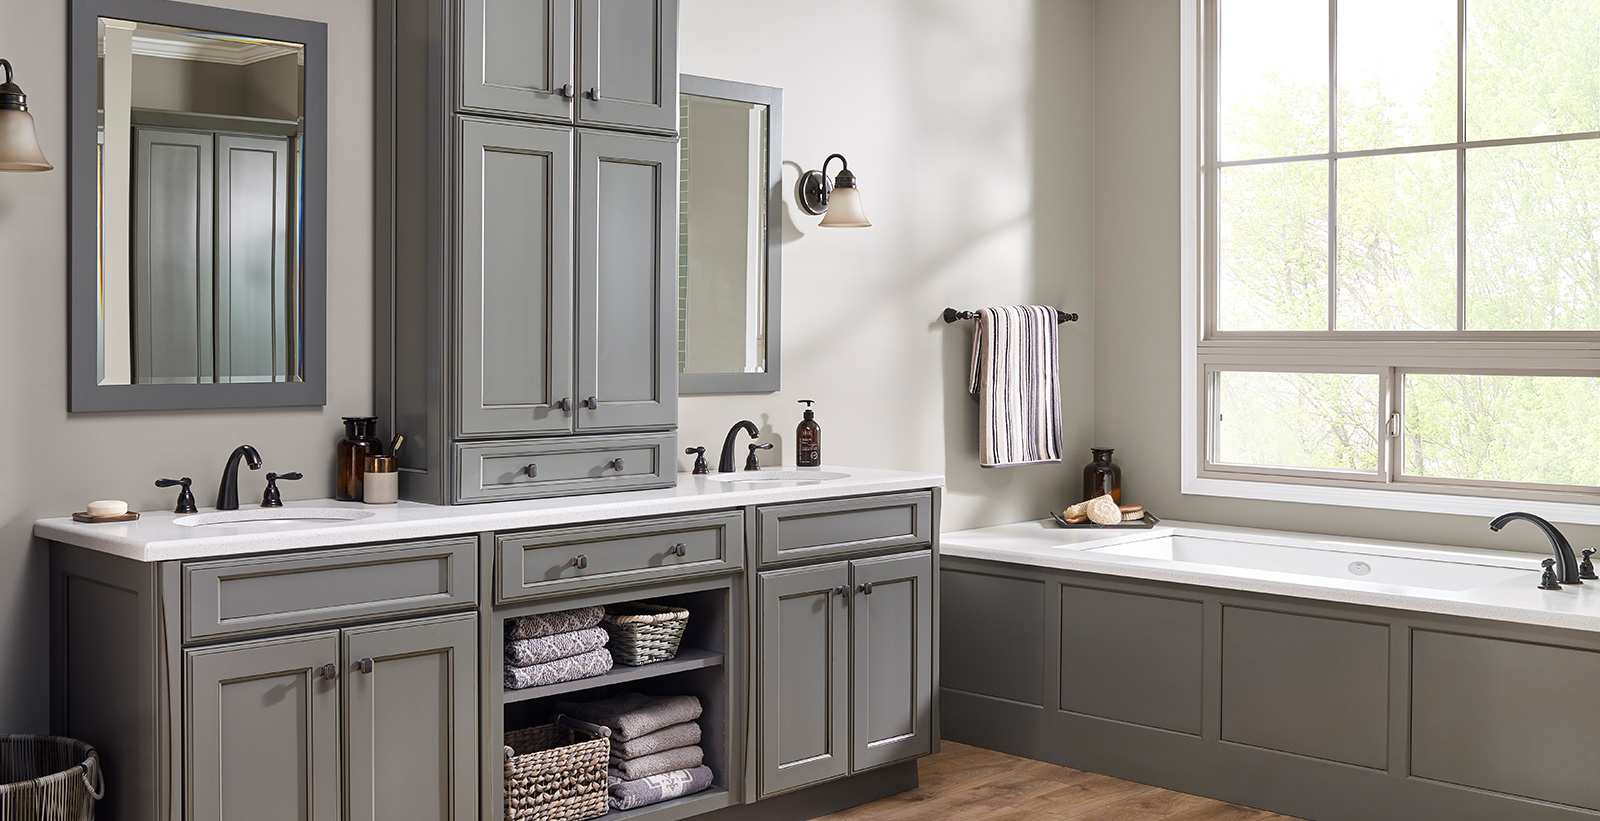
{"points": [[273, 516], [779, 476]]}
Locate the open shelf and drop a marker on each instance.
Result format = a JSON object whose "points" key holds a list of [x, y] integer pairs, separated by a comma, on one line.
{"points": [[712, 799], [688, 658]]}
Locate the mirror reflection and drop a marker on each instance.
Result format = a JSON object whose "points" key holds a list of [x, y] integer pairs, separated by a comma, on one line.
{"points": [[200, 208], [725, 256]]}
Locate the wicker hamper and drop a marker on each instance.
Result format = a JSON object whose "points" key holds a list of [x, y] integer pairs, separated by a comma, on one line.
{"points": [[48, 778], [557, 771], [644, 633]]}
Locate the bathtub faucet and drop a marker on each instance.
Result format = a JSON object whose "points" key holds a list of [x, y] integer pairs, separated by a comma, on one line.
{"points": [[1566, 562]]}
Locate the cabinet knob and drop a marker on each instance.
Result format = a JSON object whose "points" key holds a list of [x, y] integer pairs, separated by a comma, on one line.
{"points": [[865, 588], [580, 561], [364, 665], [531, 469], [593, 94], [329, 672], [615, 464], [565, 91], [680, 550], [565, 405], [592, 403], [842, 590]]}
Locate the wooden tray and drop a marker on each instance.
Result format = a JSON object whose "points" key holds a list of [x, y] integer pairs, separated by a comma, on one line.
{"points": [[103, 520], [1146, 523]]}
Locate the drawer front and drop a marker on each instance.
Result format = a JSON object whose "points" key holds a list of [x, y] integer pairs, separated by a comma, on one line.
{"points": [[812, 530], [248, 596], [568, 466], [539, 563]]}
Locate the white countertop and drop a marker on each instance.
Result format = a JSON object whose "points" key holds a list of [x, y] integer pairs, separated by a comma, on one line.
{"points": [[1044, 544], [154, 537]]}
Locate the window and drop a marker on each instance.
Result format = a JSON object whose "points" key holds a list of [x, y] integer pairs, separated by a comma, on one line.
{"points": [[1399, 246]]}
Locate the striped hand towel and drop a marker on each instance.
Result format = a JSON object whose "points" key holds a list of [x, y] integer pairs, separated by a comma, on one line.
{"points": [[1017, 377]]}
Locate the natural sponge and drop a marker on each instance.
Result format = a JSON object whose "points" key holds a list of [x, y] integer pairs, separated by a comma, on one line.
{"points": [[1103, 510]]}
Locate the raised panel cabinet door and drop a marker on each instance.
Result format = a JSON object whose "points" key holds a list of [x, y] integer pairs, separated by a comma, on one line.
{"points": [[411, 719], [891, 628], [171, 302], [262, 730], [627, 282], [515, 312], [803, 725], [256, 279], [516, 57], [628, 63]]}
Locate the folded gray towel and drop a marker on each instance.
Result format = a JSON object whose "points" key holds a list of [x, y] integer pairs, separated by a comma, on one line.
{"points": [[682, 758], [678, 735], [526, 652], [549, 624], [625, 795], [631, 715], [592, 663]]}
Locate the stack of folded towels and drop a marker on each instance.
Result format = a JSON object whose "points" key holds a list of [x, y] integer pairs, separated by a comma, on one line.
{"points": [[553, 647], [655, 746]]}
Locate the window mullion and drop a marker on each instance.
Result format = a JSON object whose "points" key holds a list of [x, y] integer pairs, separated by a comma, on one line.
{"points": [[1333, 165], [1461, 165]]}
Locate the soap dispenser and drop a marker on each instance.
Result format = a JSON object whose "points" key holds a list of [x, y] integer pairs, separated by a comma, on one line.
{"points": [[808, 439]]}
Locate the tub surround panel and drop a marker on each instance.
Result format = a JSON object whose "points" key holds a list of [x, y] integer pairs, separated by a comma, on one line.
{"points": [[1132, 657], [1006, 637]]}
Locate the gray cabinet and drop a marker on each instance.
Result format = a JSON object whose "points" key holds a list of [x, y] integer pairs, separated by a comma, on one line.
{"points": [[627, 281], [845, 668], [604, 62]]}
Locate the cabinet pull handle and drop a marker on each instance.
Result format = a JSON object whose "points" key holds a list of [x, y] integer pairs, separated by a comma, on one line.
{"points": [[531, 469], [565, 404], [680, 550], [565, 91], [615, 464], [580, 561], [592, 403], [329, 672], [842, 590], [865, 588], [593, 94], [364, 665]]}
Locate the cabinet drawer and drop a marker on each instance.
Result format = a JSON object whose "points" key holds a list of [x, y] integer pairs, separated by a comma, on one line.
{"points": [[838, 526], [245, 596], [543, 562], [496, 471]]}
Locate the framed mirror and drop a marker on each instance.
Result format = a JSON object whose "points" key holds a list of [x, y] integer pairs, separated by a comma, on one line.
{"points": [[198, 177], [730, 236]]}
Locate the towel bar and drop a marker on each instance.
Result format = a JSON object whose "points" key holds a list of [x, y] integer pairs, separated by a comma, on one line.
{"points": [[951, 315]]}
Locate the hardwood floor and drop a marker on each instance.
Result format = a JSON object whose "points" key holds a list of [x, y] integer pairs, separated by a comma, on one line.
{"points": [[965, 783]]}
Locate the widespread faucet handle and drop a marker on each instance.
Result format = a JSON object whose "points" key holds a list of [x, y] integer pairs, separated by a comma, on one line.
{"points": [[750, 462], [185, 497], [272, 498], [1548, 580], [700, 466], [1586, 567]]}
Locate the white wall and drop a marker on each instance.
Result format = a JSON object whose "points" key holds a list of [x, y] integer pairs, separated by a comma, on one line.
{"points": [[969, 127], [51, 462]]}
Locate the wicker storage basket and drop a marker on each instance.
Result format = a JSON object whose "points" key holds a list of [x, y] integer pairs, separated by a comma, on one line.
{"points": [[48, 778], [644, 633], [557, 772]]}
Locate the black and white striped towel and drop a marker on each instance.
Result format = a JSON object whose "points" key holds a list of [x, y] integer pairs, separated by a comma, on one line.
{"points": [[1017, 377]]}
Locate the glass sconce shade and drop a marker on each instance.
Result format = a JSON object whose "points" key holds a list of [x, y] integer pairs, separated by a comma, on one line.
{"points": [[19, 144], [844, 210], [837, 198]]}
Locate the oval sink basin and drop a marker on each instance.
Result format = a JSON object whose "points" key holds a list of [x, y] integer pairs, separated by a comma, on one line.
{"points": [[778, 476], [270, 516]]}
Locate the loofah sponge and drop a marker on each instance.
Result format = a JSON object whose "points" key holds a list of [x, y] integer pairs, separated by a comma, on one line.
{"points": [[1103, 510]]}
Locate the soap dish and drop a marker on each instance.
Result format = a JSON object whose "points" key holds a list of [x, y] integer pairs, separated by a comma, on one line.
{"points": [[1149, 521], [104, 520]]}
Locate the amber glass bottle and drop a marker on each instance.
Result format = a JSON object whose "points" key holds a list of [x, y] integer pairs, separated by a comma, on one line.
{"points": [[360, 441], [1101, 476]]}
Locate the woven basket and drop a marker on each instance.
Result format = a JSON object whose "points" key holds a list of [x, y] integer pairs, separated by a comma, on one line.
{"points": [[48, 778], [644, 633], [557, 773]]}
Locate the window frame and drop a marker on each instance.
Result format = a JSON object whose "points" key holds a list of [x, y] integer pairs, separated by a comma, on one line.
{"points": [[1393, 354]]}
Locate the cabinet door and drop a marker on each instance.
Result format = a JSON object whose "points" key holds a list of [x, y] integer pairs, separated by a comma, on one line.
{"points": [[411, 718], [171, 302], [262, 730], [515, 316], [257, 279], [891, 624], [516, 57], [628, 63], [804, 669], [627, 282]]}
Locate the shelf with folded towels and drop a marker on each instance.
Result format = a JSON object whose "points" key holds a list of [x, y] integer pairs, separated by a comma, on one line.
{"points": [[952, 315], [689, 658]]}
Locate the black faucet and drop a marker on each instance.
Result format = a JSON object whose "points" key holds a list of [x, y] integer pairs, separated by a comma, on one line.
{"points": [[1566, 562], [228, 493], [725, 464]]}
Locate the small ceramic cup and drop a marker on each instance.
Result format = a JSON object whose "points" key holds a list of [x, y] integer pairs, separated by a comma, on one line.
{"points": [[380, 481]]}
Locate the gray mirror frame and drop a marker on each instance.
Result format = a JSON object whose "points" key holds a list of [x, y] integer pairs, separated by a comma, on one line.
{"points": [[84, 391], [769, 380]]}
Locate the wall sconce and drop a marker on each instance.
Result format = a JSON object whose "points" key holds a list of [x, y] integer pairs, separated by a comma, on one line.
{"points": [[19, 144], [838, 198]]}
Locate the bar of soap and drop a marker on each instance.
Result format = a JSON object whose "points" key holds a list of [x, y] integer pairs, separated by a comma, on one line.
{"points": [[108, 507]]}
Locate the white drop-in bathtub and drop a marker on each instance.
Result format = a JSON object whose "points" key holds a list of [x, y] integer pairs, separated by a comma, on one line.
{"points": [[1500, 585]]}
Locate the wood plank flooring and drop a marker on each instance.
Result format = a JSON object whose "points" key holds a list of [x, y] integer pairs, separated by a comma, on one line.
{"points": [[965, 783]]}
